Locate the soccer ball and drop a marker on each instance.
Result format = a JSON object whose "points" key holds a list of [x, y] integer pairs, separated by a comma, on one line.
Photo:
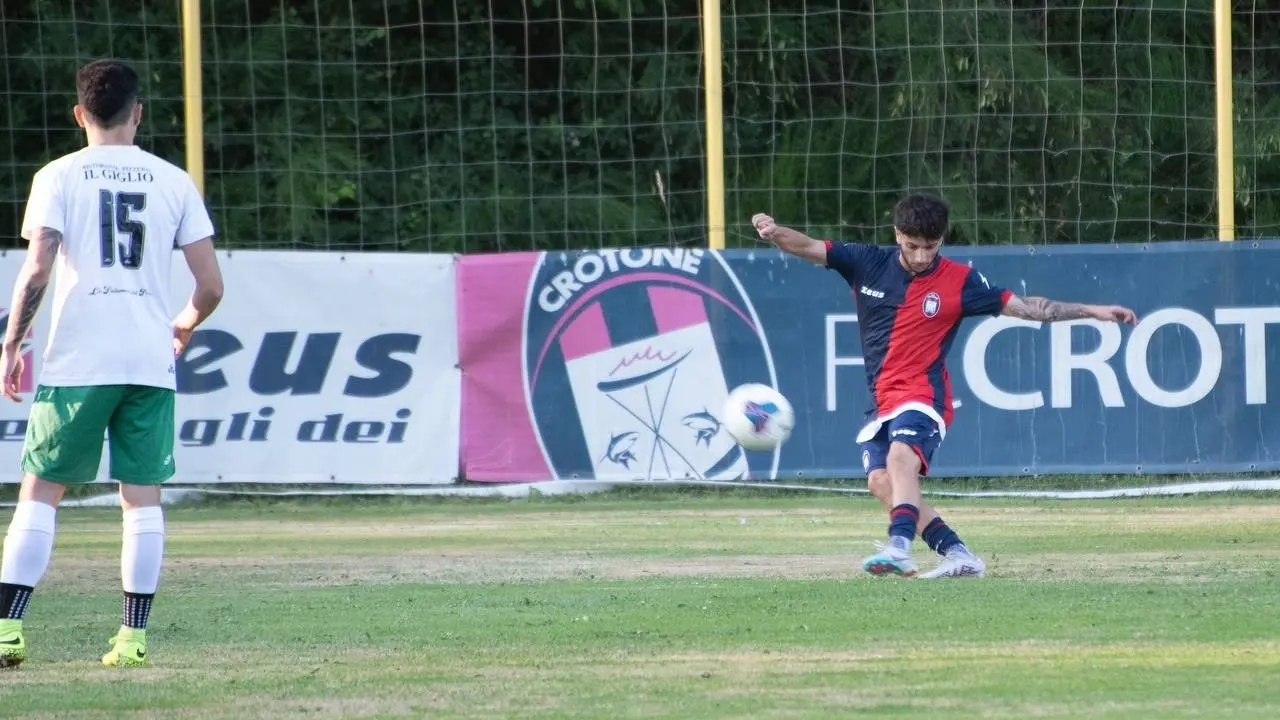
{"points": [[758, 417]]}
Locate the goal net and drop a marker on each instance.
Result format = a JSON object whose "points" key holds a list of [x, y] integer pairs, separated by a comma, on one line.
{"points": [[477, 126]]}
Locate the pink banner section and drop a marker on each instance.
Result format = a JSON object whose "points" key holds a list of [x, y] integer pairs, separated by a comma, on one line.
{"points": [[675, 309], [585, 335], [498, 443]]}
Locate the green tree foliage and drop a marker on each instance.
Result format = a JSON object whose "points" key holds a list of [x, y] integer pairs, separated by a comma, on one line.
{"points": [[479, 126]]}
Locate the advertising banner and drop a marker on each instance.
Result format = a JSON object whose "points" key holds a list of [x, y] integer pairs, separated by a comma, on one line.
{"points": [[316, 368], [615, 364]]}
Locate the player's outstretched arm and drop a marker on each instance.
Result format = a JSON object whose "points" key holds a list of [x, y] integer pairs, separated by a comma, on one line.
{"points": [[790, 241], [1046, 310]]}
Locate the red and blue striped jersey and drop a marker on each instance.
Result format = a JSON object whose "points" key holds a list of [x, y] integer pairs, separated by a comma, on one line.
{"points": [[907, 324]]}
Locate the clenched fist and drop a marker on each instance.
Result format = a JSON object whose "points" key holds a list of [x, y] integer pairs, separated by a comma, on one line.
{"points": [[765, 226]]}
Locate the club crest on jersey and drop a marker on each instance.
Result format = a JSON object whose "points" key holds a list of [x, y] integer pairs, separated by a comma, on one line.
{"points": [[627, 364], [932, 304]]}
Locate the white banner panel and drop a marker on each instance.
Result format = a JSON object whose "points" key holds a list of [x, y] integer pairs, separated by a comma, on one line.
{"points": [[316, 368], [13, 416]]}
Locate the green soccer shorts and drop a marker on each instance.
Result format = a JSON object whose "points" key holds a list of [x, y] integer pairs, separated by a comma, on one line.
{"points": [[65, 431]]}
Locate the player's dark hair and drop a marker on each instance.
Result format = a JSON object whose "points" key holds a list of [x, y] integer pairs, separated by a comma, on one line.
{"points": [[107, 91], [922, 216]]}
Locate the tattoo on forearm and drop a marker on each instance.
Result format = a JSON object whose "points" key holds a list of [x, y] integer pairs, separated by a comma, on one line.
{"points": [[28, 306], [48, 242], [31, 288], [1045, 310]]}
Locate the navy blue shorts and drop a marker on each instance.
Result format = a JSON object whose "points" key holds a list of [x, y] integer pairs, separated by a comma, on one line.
{"points": [[913, 428]]}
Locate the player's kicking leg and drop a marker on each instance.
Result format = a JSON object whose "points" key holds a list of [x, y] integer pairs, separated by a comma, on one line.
{"points": [[911, 439], [957, 559], [141, 438], [888, 560]]}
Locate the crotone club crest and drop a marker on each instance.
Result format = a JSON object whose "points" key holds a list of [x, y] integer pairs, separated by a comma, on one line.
{"points": [[629, 356], [932, 304]]}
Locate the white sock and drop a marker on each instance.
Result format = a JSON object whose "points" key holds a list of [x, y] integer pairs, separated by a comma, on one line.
{"points": [[142, 552], [29, 543]]}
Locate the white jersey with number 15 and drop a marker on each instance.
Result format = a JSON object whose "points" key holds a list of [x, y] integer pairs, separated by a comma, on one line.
{"points": [[121, 212]]}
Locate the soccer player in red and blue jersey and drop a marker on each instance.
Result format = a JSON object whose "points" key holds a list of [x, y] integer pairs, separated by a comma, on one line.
{"points": [[910, 303]]}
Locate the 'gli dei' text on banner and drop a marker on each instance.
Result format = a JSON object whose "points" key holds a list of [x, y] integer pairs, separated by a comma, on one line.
{"points": [[315, 368]]}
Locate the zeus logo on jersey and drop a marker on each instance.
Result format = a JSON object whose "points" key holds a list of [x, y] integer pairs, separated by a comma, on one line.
{"points": [[627, 364]]}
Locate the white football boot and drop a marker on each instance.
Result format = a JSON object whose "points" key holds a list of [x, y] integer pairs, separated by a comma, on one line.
{"points": [[958, 562]]}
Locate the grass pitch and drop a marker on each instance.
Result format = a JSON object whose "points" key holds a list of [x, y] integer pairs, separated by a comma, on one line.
{"points": [[676, 606]]}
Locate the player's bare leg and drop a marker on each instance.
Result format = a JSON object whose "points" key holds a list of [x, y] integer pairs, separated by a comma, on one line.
{"points": [[28, 545], [141, 556], [904, 474], [903, 467], [958, 560]]}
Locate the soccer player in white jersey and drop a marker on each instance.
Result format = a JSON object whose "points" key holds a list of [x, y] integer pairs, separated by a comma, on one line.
{"points": [[102, 223]]}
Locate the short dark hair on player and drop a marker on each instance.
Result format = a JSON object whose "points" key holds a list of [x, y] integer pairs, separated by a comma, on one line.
{"points": [[922, 216], [107, 90]]}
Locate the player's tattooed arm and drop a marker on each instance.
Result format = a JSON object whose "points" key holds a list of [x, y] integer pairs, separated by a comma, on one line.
{"points": [[33, 280], [1045, 310]]}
